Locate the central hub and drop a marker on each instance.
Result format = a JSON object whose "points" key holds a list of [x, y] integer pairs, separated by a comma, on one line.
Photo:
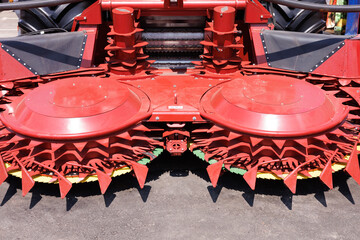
{"points": [[273, 95], [77, 97], [77, 94], [263, 91], [76, 108], [273, 106]]}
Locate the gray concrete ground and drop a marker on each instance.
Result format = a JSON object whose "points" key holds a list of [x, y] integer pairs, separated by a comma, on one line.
{"points": [[178, 202]]}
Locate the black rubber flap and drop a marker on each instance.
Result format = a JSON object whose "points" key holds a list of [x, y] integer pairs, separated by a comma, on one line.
{"points": [[47, 53], [303, 52]]}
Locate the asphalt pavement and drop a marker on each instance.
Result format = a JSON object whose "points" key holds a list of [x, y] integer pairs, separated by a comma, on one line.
{"points": [[178, 202]]}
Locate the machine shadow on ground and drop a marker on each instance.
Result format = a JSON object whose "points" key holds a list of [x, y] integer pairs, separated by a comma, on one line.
{"points": [[181, 167]]}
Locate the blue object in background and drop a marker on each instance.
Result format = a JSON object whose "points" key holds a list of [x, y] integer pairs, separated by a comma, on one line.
{"points": [[352, 21]]}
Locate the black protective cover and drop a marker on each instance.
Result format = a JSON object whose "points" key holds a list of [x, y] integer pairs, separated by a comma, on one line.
{"points": [[302, 52], [47, 53]]}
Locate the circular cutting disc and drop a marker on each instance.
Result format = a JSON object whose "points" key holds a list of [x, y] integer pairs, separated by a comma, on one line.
{"points": [[273, 106], [76, 108]]}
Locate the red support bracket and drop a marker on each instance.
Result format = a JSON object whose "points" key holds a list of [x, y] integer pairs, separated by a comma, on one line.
{"points": [[256, 13], [176, 141], [90, 16]]}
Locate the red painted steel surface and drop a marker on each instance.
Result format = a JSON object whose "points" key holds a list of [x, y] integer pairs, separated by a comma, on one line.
{"points": [[257, 46], [158, 4], [89, 51], [224, 18], [10, 68], [76, 108], [220, 50], [175, 98], [344, 63], [256, 13], [272, 106], [90, 16], [125, 48], [124, 20]]}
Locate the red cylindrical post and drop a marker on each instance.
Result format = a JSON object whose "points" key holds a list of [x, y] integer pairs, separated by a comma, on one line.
{"points": [[221, 50], [124, 23], [125, 48], [224, 18], [123, 19]]}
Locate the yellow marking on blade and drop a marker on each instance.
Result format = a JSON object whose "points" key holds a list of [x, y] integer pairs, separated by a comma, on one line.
{"points": [[314, 173], [91, 178]]}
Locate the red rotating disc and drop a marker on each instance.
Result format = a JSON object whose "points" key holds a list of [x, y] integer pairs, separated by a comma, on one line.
{"points": [[76, 108], [273, 106]]}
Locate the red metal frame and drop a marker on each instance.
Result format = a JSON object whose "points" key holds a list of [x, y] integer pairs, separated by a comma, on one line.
{"points": [[343, 63], [182, 4]]}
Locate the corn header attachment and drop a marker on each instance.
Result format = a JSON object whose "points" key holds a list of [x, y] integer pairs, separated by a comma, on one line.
{"points": [[130, 79]]}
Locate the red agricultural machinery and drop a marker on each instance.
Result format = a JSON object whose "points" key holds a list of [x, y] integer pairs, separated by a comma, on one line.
{"points": [[95, 89]]}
